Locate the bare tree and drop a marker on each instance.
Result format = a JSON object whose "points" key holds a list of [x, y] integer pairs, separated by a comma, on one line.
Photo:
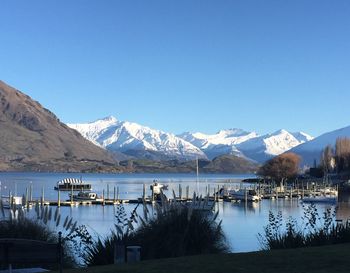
{"points": [[342, 154], [281, 167], [327, 159]]}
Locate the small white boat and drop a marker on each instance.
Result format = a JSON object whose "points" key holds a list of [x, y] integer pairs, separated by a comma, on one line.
{"points": [[329, 191], [12, 202], [243, 194], [156, 187], [84, 196]]}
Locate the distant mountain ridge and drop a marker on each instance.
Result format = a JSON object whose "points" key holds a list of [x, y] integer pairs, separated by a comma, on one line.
{"points": [[143, 142], [311, 151], [34, 139], [137, 140], [246, 144]]}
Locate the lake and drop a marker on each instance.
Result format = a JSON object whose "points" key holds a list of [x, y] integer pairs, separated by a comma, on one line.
{"points": [[241, 222]]}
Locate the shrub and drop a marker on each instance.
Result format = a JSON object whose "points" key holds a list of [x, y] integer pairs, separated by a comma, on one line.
{"points": [[317, 230], [173, 230], [44, 227], [180, 232]]}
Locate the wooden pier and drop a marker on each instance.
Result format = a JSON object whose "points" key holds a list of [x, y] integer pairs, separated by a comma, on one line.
{"points": [[211, 194]]}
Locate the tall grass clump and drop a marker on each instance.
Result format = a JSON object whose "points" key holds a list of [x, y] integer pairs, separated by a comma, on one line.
{"points": [[171, 229], [44, 225], [316, 230], [101, 251]]}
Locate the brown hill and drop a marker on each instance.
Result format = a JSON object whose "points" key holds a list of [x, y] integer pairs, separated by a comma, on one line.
{"points": [[33, 138], [231, 164]]}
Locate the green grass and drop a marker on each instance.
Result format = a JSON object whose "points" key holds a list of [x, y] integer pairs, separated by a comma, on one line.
{"points": [[334, 258]]}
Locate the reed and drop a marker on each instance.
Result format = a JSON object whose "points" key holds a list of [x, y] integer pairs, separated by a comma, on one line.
{"points": [[16, 223], [170, 229], [316, 230]]}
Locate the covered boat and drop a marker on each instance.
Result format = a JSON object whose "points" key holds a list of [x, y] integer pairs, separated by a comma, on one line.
{"points": [[72, 184]]}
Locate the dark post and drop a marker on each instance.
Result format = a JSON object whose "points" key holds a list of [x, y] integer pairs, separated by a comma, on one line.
{"points": [[119, 252], [60, 252]]}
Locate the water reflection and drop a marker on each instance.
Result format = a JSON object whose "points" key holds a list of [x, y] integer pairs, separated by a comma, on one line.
{"points": [[241, 221]]}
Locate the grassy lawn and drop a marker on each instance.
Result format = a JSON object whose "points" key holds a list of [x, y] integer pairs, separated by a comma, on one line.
{"points": [[334, 258]]}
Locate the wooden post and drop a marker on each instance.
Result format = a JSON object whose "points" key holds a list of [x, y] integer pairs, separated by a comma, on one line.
{"points": [[144, 191], [246, 195], [180, 191], [187, 192], [10, 200], [152, 194], [119, 253], [337, 189], [103, 197], [42, 196], [71, 196], [118, 194], [60, 251], [59, 198], [26, 203], [30, 192], [107, 191]]}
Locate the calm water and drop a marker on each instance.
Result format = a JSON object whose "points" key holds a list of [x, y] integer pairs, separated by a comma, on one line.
{"points": [[241, 222]]}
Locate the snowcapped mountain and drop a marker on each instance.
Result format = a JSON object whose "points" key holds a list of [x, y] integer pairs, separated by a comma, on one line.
{"points": [[143, 142], [223, 142], [311, 150], [137, 140], [264, 147], [246, 144], [302, 137]]}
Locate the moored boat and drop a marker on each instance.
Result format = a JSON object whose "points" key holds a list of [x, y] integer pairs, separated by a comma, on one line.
{"points": [[72, 184], [241, 194], [84, 196], [12, 202]]}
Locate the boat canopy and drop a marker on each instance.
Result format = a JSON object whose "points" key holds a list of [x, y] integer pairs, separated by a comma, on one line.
{"points": [[70, 181]]}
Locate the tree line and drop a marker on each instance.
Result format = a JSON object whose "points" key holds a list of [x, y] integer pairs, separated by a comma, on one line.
{"points": [[336, 159]]}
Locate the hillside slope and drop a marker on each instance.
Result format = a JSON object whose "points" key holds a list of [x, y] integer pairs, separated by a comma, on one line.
{"points": [[311, 150], [33, 138]]}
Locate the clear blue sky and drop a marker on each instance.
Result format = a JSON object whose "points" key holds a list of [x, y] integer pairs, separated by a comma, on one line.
{"points": [[183, 65]]}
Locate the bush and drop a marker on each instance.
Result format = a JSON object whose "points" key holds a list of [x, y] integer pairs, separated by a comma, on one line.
{"points": [[180, 232], [316, 232], [43, 227], [173, 230]]}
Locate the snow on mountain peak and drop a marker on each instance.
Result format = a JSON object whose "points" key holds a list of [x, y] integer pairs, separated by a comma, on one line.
{"points": [[234, 132], [108, 119], [124, 136], [131, 138], [302, 137]]}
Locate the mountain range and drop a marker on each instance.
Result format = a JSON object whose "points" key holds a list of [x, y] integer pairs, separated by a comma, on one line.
{"points": [[140, 141], [34, 139], [136, 140], [311, 151]]}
